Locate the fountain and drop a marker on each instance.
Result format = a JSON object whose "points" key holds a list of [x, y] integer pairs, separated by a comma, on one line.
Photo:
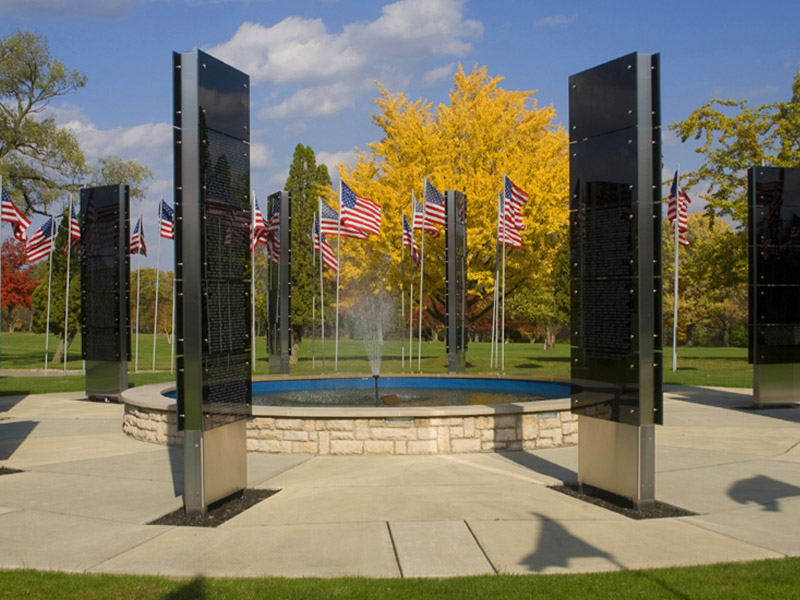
{"points": [[374, 312]]}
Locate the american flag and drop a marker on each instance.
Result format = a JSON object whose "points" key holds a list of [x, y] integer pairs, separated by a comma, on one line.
{"points": [[409, 241], [434, 205], [517, 198], [328, 257], [273, 223], [258, 228], [418, 220], [273, 245], [137, 239], [42, 242], [359, 212], [678, 205], [329, 224], [11, 214], [508, 234], [74, 231], [167, 220]]}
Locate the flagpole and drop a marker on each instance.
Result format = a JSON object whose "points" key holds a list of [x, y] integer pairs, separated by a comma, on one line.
{"points": [[138, 293], [66, 299], [49, 287], [338, 272], [1, 246], [495, 291], [158, 275], [314, 300], [403, 296], [503, 330], [321, 286], [253, 246], [421, 272], [676, 223]]}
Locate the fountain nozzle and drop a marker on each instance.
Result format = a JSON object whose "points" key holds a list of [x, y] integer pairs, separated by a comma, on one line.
{"points": [[377, 398]]}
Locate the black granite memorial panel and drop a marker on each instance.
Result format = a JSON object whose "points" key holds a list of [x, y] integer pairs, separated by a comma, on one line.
{"points": [[774, 250], [104, 274], [614, 231]]}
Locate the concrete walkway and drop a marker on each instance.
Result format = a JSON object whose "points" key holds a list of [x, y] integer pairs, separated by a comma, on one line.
{"points": [[87, 491]]}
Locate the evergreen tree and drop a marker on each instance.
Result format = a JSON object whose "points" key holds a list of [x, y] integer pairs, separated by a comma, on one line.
{"points": [[304, 178]]}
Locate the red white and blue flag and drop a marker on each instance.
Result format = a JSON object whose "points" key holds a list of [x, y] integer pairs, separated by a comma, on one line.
{"points": [[678, 209], [322, 246], [508, 234], [409, 241], [359, 212], [418, 221], [42, 242], [329, 224], [516, 198], [11, 214], [258, 228], [434, 206], [137, 239], [166, 219], [74, 231]]}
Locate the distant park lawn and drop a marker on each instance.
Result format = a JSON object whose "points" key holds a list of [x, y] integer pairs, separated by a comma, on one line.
{"points": [[724, 367]]}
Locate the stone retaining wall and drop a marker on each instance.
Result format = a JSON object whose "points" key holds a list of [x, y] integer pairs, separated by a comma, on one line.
{"points": [[524, 426]]}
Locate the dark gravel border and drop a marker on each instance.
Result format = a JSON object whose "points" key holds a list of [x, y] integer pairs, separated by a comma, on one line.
{"points": [[620, 504], [8, 471], [219, 512]]}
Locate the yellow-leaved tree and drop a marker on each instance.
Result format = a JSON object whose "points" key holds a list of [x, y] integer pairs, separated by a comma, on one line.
{"points": [[467, 145]]}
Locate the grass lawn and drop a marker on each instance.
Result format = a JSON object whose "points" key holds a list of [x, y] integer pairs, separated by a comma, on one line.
{"points": [[763, 580], [725, 367]]}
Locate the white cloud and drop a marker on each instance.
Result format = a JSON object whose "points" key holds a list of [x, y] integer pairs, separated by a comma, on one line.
{"points": [[137, 142], [260, 155], [333, 159], [316, 101], [320, 73], [438, 74], [554, 20], [279, 179]]}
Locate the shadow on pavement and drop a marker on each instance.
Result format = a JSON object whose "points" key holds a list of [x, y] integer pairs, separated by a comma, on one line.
{"points": [[731, 401], [763, 490], [12, 435], [540, 465], [556, 546], [175, 454]]}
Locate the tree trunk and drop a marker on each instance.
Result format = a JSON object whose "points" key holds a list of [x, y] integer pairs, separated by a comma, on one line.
{"points": [[58, 357], [549, 338]]}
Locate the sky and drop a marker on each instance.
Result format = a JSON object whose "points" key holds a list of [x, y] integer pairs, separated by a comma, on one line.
{"points": [[314, 64]]}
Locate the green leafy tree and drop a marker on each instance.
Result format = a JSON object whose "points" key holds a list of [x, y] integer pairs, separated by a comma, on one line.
{"points": [[38, 159], [305, 178], [735, 137], [113, 170]]}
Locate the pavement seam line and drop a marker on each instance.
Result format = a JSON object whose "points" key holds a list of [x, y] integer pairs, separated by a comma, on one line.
{"points": [[126, 550], [394, 549], [486, 556], [700, 525]]}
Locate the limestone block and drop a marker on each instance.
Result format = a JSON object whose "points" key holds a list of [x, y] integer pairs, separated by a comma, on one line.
{"points": [[569, 427], [361, 429], [422, 447], [469, 427], [378, 447], [342, 435], [456, 432], [304, 447], [339, 425], [324, 442], [392, 433], [427, 433], [571, 439], [530, 427], [551, 423], [544, 442], [277, 446], [289, 424], [347, 447], [401, 447], [295, 436], [484, 422], [443, 439], [505, 435], [505, 421], [465, 445]]}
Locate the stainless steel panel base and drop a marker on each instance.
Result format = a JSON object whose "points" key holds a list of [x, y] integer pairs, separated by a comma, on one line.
{"points": [[106, 379], [617, 458], [776, 384], [215, 465]]}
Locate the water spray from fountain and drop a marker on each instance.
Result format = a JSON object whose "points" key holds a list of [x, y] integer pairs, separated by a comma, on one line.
{"points": [[375, 313]]}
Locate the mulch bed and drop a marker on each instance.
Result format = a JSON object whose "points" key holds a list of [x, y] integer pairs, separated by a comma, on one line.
{"points": [[219, 512], [8, 471], [620, 504]]}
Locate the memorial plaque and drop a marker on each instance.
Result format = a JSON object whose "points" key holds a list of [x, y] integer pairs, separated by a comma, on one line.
{"points": [[212, 273], [615, 240], [105, 287], [279, 282], [456, 280], [774, 250]]}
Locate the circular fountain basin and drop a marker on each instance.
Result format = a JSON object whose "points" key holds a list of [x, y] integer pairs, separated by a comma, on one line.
{"points": [[515, 414], [403, 391]]}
